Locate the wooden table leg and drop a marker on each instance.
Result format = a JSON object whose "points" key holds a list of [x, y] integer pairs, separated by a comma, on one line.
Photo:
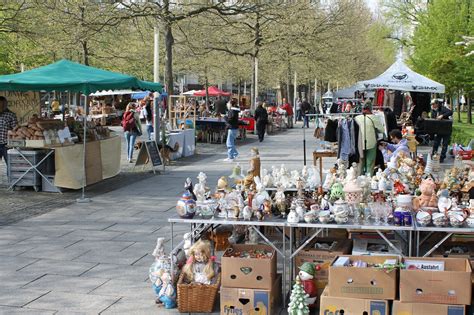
{"points": [[321, 169]]}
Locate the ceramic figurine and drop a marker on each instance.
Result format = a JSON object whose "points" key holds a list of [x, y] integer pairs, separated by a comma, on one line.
{"points": [[200, 267], [267, 178], [428, 196], [261, 194], [313, 178], [306, 274], [325, 205], [329, 180], [252, 237], [304, 172], [341, 169], [351, 175], [337, 191], [300, 211], [159, 250], [187, 243], [300, 184], [280, 201], [353, 192], [247, 213], [275, 172], [200, 188], [223, 184], [293, 216], [295, 176], [188, 185], [259, 213], [374, 183], [186, 206], [237, 174], [167, 292], [382, 185], [267, 207], [254, 168]]}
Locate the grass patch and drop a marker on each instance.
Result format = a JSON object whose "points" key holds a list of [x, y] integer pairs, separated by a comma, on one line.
{"points": [[462, 131]]}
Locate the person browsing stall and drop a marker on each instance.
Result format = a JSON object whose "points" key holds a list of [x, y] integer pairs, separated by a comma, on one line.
{"points": [[289, 112], [440, 112], [8, 121], [398, 145]]}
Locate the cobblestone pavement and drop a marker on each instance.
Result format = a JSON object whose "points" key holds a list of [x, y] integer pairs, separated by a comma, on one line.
{"points": [[69, 258]]}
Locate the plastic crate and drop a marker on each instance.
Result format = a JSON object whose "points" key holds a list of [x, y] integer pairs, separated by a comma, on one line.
{"points": [[466, 155]]}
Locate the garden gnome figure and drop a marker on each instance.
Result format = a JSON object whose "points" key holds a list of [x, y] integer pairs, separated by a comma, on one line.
{"points": [[306, 275], [254, 169]]}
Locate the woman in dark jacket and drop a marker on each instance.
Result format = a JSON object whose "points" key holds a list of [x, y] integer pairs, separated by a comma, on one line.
{"points": [[261, 118]]}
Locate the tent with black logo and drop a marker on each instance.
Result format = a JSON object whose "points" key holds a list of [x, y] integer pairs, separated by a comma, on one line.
{"points": [[400, 77]]}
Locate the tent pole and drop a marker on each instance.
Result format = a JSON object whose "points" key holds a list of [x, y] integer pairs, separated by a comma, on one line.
{"points": [[83, 198]]}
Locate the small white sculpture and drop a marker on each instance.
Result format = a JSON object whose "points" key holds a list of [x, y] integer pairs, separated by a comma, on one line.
{"points": [[267, 178], [187, 243], [200, 188], [325, 205], [159, 250], [313, 178], [383, 183], [351, 175], [261, 194], [247, 213], [252, 237], [328, 181], [304, 172], [300, 211], [293, 216]]}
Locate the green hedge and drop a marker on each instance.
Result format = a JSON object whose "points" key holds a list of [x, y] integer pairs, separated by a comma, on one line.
{"points": [[460, 136]]}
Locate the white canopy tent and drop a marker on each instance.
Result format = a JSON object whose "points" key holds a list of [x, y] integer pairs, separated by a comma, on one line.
{"points": [[113, 92], [400, 77]]}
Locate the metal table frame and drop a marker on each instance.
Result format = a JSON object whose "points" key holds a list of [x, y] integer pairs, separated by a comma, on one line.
{"points": [[200, 226], [449, 231]]}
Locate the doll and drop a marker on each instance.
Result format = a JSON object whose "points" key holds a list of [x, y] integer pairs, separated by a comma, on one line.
{"points": [[187, 243], [200, 267], [306, 274], [159, 250]]}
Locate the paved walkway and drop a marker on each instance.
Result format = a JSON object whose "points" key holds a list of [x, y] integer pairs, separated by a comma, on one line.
{"points": [[94, 258]]}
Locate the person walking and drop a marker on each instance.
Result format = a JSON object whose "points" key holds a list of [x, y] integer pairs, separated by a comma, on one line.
{"points": [[232, 126], [261, 117], [298, 109], [440, 112], [305, 109], [132, 129], [8, 121], [289, 112], [148, 117]]}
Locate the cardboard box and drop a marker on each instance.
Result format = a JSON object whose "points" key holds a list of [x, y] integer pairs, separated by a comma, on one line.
{"points": [[451, 286], [323, 257], [252, 273], [376, 247], [455, 250], [364, 283], [400, 308], [240, 301], [331, 305]]}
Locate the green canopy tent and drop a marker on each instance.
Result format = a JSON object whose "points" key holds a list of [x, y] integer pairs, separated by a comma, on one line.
{"points": [[69, 76], [66, 75]]}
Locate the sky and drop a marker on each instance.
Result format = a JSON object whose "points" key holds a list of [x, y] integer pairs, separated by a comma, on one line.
{"points": [[373, 4]]}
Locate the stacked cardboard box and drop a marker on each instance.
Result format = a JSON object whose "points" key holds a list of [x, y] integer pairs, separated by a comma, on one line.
{"points": [[249, 285], [435, 292], [353, 290], [321, 252]]}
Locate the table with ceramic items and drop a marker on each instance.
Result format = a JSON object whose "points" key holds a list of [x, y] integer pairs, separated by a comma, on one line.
{"points": [[199, 226], [431, 229]]}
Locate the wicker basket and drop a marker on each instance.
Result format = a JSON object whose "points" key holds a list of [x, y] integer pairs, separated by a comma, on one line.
{"points": [[197, 298]]}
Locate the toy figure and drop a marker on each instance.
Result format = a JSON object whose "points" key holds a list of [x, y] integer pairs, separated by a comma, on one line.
{"points": [[237, 174], [306, 274], [167, 292], [337, 192], [200, 267], [254, 169], [329, 180], [267, 178], [428, 196], [300, 184], [223, 184], [398, 187], [293, 216], [261, 195], [187, 243]]}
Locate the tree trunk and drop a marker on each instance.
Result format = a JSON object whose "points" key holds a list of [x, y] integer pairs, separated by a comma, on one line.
{"points": [[85, 53], [207, 90], [169, 41], [238, 92], [288, 83], [252, 84], [469, 110], [458, 107]]}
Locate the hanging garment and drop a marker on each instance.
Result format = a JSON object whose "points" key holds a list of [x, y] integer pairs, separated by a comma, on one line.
{"points": [[380, 97], [398, 103], [330, 133], [390, 119], [344, 140]]}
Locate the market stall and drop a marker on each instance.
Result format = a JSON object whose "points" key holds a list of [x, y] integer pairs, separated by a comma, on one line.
{"points": [[318, 232], [97, 157]]}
